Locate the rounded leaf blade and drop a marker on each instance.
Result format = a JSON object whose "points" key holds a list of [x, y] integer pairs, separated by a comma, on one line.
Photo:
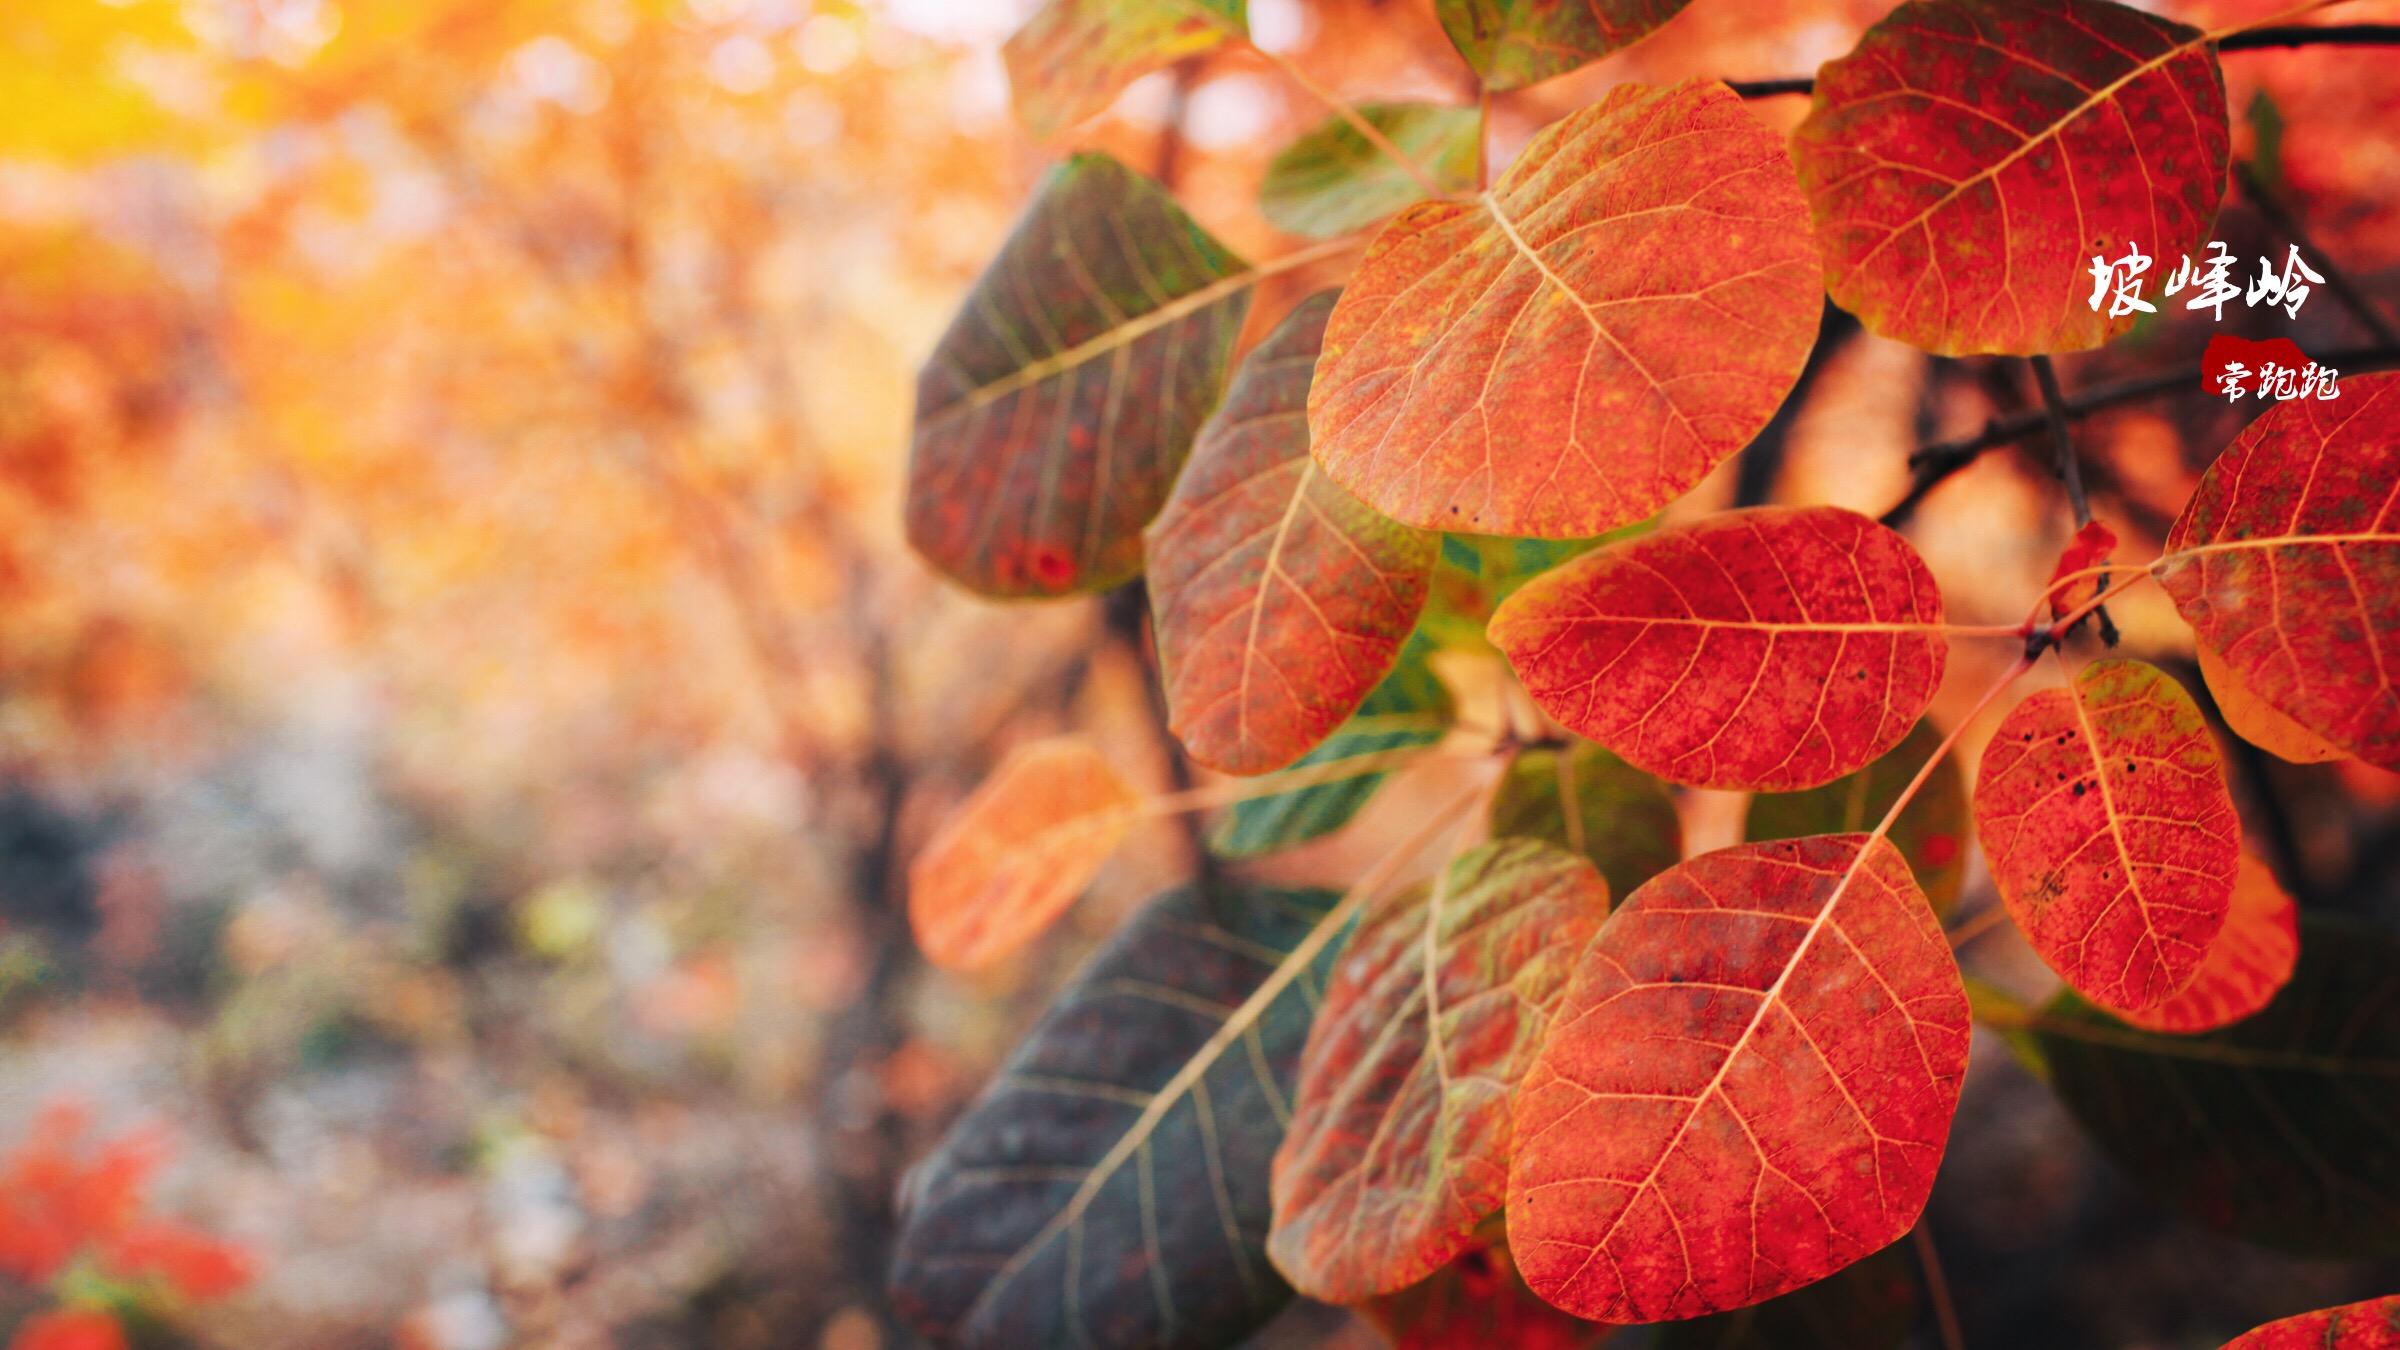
{"points": [[1970, 157], [1331, 181], [1281, 600], [1398, 1147], [2103, 811], [2252, 958], [1775, 648], [1575, 348], [1073, 57], [2372, 1325], [1748, 1086]]}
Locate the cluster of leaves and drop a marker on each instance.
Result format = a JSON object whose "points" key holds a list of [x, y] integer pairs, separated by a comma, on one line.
{"points": [[73, 1220], [1738, 1080]]}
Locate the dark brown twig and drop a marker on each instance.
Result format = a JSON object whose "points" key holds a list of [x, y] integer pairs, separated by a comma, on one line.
{"points": [[2257, 39], [2338, 281], [2070, 471]]}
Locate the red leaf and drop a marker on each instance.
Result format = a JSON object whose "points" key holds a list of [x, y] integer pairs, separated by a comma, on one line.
{"points": [[2287, 562], [2257, 721], [2225, 350], [1775, 648], [1572, 350], [197, 1266], [1281, 600], [69, 1329], [2372, 1325], [2091, 547], [1747, 1088], [54, 1200], [2104, 813], [1478, 1302], [1073, 57], [1398, 1146], [1968, 159], [1017, 852], [2252, 958]]}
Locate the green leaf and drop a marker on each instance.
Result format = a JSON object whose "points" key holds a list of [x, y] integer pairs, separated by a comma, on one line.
{"points": [[1868, 1305], [1932, 833], [1477, 571], [1332, 182], [1073, 57], [1410, 708], [2266, 133], [1514, 43], [1056, 411], [1625, 820], [1110, 1188], [2282, 1129]]}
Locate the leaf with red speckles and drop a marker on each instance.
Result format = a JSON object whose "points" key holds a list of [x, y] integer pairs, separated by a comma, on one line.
{"points": [[1398, 1147], [1017, 852], [2104, 813], [1574, 349], [1775, 648], [1968, 159], [1514, 43], [2287, 563], [1931, 831], [1053, 416], [2090, 548], [2372, 1325], [2257, 721], [1073, 57], [1281, 601], [1747, 1088], [1478, 1302], [2251, 959]]}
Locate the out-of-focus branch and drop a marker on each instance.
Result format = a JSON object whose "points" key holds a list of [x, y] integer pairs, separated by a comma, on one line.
{"points": [[2070, 469], [2337, 279], [1762, 459]]}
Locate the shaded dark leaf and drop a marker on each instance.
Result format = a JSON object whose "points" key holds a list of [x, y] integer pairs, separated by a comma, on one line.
{"points": [[1624, 820]]}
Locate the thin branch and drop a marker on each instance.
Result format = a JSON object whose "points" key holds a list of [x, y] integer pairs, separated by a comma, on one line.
{"points": [[2257, 39], [2348, 291], [1936, 462], [1349, 113], [2070, 469], [1945, 1314]]}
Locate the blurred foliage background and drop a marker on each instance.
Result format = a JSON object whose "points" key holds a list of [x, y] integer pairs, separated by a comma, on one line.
{"points": [[465, 706]]}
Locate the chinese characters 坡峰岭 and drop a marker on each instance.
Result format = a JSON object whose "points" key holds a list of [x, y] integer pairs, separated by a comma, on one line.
{"points": [[2120, 282]]}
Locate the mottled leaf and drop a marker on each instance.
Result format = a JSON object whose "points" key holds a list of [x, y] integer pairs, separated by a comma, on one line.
{"points": [[1332, 182], [2090, 548], [1281, 601], [2287, 562], [1398, 1146], [1478, 1302], [1110, 1188], [1775, 648], [1053, 416], [1747, 1088], [1410, 708], [2372, 1325], [1514, 43], [1475, 572], [2252, 958], [2257, 721], [1871, 1305], [1073, 57], [1931, 833], [1015, 854], [2282, 1129], [1577, 347], [1969, 158], [1621, 818], [2110, 832]]}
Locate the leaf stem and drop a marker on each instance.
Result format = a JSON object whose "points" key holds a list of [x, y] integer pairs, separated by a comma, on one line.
{"points": [[1342, 108], [1985, 920], [1945, 1314]]}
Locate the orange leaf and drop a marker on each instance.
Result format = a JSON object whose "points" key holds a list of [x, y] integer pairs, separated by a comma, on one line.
{"points": [[1281, 600], [1398, 1146], [1073, 57], [2372, 1325], [1017, 853], [2251, 960], [2090, 548], [1478, 1302], [2287, 563], [1970, 157], [69, 1329], [2255, 720], [1577, 347], [1776, 648], [2104, 813], [1747, 1088]]}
